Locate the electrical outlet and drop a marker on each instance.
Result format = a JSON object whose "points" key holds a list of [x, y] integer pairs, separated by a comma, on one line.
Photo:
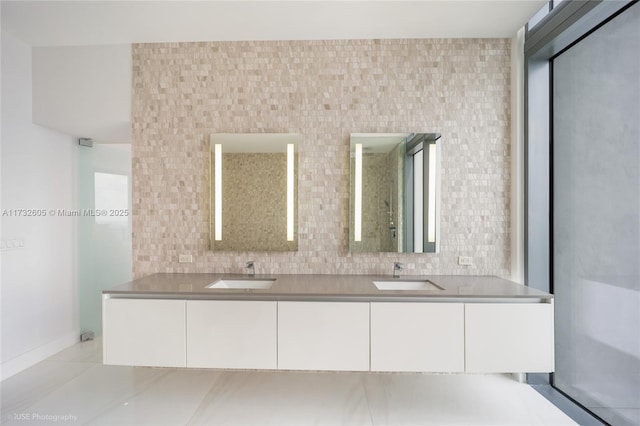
{"points": [[465, 260], [185, 258]]}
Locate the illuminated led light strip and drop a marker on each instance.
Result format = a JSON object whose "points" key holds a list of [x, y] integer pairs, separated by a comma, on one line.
{"points": [[418, 202], [290, 187], [431, 212], [357, 230], [218, 192]]}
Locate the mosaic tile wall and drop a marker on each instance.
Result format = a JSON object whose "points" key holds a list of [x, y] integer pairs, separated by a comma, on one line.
{"points": [[323, 90]]}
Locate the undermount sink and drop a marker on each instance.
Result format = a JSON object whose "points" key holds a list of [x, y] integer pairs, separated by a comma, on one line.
{"points": [[242, 283], [406, 285]]}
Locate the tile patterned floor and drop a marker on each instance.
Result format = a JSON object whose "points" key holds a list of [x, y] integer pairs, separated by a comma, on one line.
{"points": [[74, 388]]}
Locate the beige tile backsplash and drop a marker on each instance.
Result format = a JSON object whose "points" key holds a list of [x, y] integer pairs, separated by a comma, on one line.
{"points": [[323, 90]]}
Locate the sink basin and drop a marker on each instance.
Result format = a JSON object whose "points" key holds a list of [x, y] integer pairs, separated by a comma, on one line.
{"points": [[406, 285], [243, 283]]}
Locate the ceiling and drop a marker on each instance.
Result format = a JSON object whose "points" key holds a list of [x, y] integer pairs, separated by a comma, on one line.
{"points": [[69, 23]]}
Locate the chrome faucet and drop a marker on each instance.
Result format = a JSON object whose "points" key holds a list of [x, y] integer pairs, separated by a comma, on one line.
{"points": [[397, 267], [251, 270]]}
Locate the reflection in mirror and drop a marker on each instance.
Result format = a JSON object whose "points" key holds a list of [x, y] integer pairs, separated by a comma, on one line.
{"points": [[395, 184], [254, 189]]}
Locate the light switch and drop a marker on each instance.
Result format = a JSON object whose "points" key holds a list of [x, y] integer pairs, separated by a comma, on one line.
{"points": [[12, 244]]}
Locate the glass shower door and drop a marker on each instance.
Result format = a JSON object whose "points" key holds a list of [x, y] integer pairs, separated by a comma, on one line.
{"points": [[104, 229]]}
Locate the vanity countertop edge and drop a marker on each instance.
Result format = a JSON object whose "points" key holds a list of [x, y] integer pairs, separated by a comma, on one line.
{"points": [[320, 287]]}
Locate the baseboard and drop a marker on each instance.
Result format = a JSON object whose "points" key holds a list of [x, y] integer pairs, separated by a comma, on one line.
{"points": [[28, 359]]}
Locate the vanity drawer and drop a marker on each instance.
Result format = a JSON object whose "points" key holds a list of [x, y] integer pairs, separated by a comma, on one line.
{"points": [[509, 337], [144, 332], [231, 334], [323, 336], [418, 337]]}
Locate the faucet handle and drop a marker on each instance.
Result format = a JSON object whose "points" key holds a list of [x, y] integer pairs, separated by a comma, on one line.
{"points": [[251, 267], [397, 266]]}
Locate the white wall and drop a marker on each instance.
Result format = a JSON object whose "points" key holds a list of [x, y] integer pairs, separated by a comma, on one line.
{"points": [[38, 292], [84, 91]]}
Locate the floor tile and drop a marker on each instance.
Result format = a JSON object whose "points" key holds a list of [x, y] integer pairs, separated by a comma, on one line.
{"points": [[89, 351], [74, 387], [414, 399], [25, 388], [171, 400], [88, 395], [285, 398]]}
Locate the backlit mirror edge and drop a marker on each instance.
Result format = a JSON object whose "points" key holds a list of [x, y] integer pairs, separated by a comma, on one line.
{"points": [[292, 173], [431, 238]]}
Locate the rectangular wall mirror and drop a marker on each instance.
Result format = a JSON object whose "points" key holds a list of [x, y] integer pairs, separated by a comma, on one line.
{"points": [[254, 191], [395, 193]]}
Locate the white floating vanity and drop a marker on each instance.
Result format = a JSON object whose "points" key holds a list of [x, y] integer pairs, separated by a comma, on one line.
{"points": [[328, 322]]}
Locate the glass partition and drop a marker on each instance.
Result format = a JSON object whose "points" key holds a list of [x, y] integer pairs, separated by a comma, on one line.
{"points": [[596, 220], [104, 237]]}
